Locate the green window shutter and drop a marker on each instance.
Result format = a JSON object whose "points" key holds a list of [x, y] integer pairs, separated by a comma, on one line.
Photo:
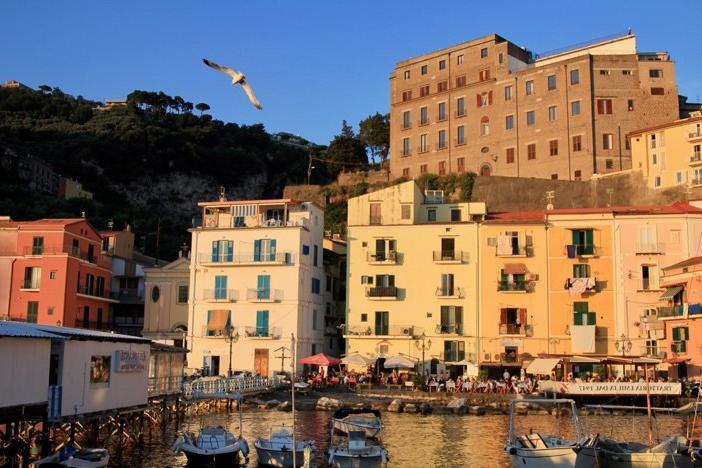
{"points": [[591, 318], [577, 318], [588, 237], [580, 307], [576, 237], [683, 347], [676, 334], [687, 333]]}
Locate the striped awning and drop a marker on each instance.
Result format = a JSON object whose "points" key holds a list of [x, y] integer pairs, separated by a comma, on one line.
{"points": [[670, 293], [218, 320], [514, 269], [542, 366]]}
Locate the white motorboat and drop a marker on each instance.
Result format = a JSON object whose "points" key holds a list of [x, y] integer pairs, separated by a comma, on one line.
{"points": [[534, 450], [70, 457], [357, 452], [213, 446], [277, 450], [355, 419], [672, 452]]}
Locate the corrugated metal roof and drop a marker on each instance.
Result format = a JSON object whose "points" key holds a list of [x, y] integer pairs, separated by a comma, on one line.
{"points": [[34, 330], [22, 330]]}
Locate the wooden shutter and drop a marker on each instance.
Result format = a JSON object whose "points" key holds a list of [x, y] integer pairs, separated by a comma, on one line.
{"points": [[522, 316], [478, 100], [490, 97], [503, 316]]}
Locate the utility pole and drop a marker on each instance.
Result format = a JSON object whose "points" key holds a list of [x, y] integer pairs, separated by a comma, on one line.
{"points": [[282, 357], [309, 165]]}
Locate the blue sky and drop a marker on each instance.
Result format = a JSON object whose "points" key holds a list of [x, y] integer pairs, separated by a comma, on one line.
{"points": [[311, 63]]}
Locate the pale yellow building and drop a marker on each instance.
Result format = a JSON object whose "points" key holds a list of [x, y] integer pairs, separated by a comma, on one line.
{"points": [[669, 155], [166, 302], [413, 275]]}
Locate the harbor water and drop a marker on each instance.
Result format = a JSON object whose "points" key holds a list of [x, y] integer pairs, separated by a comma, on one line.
{"points": [[412, 440]]}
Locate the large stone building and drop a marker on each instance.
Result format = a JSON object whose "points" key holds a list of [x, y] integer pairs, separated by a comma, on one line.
{"points": [[492, 107]]}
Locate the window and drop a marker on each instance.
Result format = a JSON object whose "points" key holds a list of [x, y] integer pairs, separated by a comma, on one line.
{"points": [[604, 72], [406, 147], [366, 279], [182, 293], [407, 74], [531, 117], [423, 70], [657, 181], [264, 250], [315, 259], [405, 172], [263, 287], [316, 286], [461, 165], [609, 164], [554, 176], [220, 288], [459, 59], [32, 278], [577, 175], [604, 106], [442, 111], [451, 316], [442, 140], [431, 214], [484, 126], [500, 58], [442, 167], [442, 64], [460, 135], [52, 275], [529, 87], [460, 81], [551, 81], [509, 155], [407, 95], [50, 310], [574, 76], [655, 73], [442, 86], [630, 105], [626, 72], [364, 317], [657, 91], [37, 245], [508, 93], [583, 241], [680, 337], [575, 108], [375, 213], [305, 249], [423, 143], [406, 211], [577, 143], [653, 141], [484, 52], [460, 107], [484, 99], [678, 177], [382, 323], [423, 115], [406, 119], [553, 148], [509, 122], [32, 311], [531, 151], [424, 91], [552, 113], [423, 169], [455, 214], [262, 322], [582, 315], [222, 251], [484, 75], [607, 141]]}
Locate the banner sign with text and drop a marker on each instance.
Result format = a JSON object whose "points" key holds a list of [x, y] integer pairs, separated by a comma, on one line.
{"points": [[610, 388], [130, 361]]}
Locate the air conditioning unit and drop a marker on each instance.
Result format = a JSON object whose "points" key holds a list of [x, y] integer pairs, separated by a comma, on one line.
{"points": [[532, 277], [529, 330], [486, 356], [407, 331]]}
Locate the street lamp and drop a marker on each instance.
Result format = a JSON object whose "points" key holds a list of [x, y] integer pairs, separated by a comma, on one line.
{"points": [[623, 344], [231, 337], [423, 345]]}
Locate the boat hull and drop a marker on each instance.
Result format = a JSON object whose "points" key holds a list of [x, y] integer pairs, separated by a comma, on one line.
{"points": [[226, 459], [607, 459], [268, 457], [341, 461], [100, 459], [552, 457]]}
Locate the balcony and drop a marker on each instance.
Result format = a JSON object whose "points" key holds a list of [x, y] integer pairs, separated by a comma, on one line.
{"points": [[130, 296], [696, 135], [653, 351], [406, 125], [678, 347], [422, 123], [227, 221], [459, 141], [404, 331], [382, 258], [375, 220], [220, 295], [248, 258], [696, 181], [514, 329], [441, 146], [515, 286], [453, 356], [381, 292], [696, 158], [273, 333], [671, 311], [58, 250], [264, 295], [581, 250], [460, 113], [159, 386], [423, 149], [93, 293], [450, 293], [515, 251], [450, 256], [449, 329], [647, 248], [406, 152], [30, 285]]}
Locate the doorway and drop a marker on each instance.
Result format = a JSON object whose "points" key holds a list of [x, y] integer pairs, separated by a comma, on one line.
{"points": [[215, 366], [485, 170], [261, 362]]}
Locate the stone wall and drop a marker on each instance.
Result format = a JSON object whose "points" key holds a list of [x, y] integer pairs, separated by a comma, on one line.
{"points": [[372, 176]]}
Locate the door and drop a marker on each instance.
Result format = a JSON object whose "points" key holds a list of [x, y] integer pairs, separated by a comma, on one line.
{"points": [[215, 366], [263, 288], [380, 249], [382, 320], [220, 291], [447, 248], [261, 362], [447, 284]]}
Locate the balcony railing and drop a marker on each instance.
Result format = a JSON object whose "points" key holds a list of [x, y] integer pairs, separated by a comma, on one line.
{"points": [[280, 258], [449, 328], [94, 292], [30, 284], [678, 347], [441, 146], [389, 330], [459, 141], [423, 149], [671, 311], [406, 125], [696, 181], [375, 220], [273, 333], [516, 286], [94, 325], [648, 248], [381, 291], [513, 329], [220, 295], [515, 251], [696, 157], [653, 351], [457, 256], [453, 356], [581, 250], [227, 221], [157, 386], [264, 295], [422, 123], [460, 113], [382, 257], [57, 250], [457, 293], [695, 134]]}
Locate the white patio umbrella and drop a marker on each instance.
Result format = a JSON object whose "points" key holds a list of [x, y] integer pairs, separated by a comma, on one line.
{"points": [[399, 362], [356, 359]]}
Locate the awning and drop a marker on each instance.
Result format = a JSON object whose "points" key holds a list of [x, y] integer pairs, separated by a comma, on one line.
{"points": [[356, 359], [218, 320], [542, 366], [670, 293], [320, 359], [397, 362], [514, 269], [677, 360], [583, 360]]}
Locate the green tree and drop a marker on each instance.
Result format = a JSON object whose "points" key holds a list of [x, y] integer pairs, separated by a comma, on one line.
{"points": [[374, 133], [345, 152], [202, 107]]}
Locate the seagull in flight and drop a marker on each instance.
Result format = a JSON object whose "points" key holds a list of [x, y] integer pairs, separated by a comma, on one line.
{"points": [[237, 78]]}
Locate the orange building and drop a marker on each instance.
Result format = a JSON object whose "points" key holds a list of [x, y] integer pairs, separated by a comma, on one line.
{"points": [[51, 272]]}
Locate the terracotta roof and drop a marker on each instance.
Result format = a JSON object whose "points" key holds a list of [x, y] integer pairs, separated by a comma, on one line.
{"points": [[689, 262], [247, 202]]}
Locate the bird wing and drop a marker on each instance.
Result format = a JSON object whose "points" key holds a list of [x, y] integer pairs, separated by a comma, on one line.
{"points": [[250, 94], [220, 68]]}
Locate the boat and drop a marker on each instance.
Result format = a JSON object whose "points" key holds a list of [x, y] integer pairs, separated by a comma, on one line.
{"points": [[213, 446], [672, 452], [535, 450], [354, 419], [70, 457], [277, 450]]}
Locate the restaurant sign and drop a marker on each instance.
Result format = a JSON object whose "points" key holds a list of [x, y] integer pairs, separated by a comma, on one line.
{"points": [[610, 388], [130, 361]]}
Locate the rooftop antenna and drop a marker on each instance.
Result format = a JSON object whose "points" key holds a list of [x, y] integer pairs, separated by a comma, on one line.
{"points": [[550, 198], [110, 224], [222, 194], [610, 192]]}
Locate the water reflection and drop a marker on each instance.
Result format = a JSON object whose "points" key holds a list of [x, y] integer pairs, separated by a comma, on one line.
{"points": [[412, 440]]}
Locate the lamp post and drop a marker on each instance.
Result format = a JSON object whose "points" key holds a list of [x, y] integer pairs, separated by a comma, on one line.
{"points": [[231, 338], [623, 344], [423, 345]]}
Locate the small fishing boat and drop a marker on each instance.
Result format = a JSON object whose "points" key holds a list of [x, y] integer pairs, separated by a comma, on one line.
{"points": [[276, 450], [70, 457], [357, 452], [672, 452], [355, 419], [213, 446]]}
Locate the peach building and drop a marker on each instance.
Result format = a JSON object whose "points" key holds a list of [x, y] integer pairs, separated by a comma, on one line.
{"points": [[54, 272]]}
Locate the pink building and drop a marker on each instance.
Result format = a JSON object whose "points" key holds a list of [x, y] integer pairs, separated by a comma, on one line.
{"points": [[682, 317], [51, 272]]}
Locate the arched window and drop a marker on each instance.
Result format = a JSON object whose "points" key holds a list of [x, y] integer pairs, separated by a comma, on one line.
{"points": [[485, 170], [484, 126]]}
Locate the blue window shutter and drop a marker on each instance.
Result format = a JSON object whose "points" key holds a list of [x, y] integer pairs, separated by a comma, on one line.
{"points": [[220, 287], [263, 287], [209, 332], [257, 250], [215, 251], [272, 250], [230, 251], [262, 323]]}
